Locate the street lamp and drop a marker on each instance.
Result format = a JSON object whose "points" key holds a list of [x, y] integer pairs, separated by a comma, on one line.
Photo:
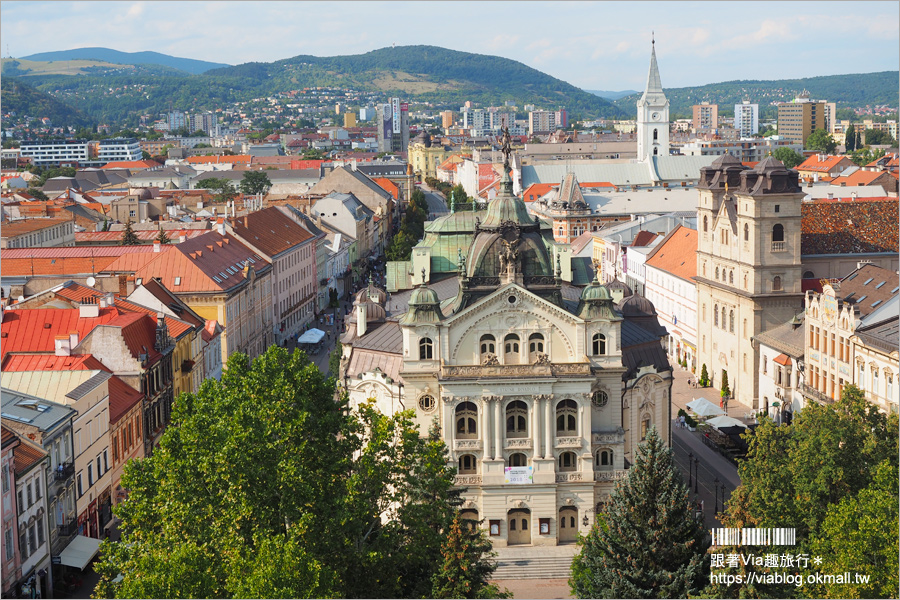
{"points": [[723, 495], [716, 490], [690, 472], [696, 472]]}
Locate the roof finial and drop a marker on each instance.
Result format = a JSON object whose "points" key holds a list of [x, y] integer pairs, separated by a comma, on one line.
{"points": [[652, 37]]}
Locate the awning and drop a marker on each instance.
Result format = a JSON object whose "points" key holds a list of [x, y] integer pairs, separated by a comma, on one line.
{"points": [[689, 345], [80, 551], [313, 336]]}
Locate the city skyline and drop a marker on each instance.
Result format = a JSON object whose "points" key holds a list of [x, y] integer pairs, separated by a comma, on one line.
{"points": [[697, 42]]}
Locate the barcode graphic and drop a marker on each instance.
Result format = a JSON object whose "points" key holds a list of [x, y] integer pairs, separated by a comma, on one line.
{"points": [[752, 536]]}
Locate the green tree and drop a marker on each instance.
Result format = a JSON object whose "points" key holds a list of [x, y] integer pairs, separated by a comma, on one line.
{"points": [[876, 137], [704, 376], [129, 237], [313, 154], [859, 535], [649, 544], [162, 238], [145, 155], [401, 246], [466, 565], [255, 182], [820, 141], [37, 194], [334, 360], [726, 391], [789, 157], [850, 138], [223, 190]]}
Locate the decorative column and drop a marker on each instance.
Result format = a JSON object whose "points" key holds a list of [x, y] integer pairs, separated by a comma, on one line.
{"points": [[485, 428], [586, 415], [536, 423], [498, 432], [549, 425], [448, 426]]}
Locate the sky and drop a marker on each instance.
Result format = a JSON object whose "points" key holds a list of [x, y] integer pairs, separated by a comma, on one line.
{"points": [[593, 45]]}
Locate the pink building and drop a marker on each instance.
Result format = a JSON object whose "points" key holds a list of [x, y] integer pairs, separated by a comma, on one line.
{"points": [[12, 571]]}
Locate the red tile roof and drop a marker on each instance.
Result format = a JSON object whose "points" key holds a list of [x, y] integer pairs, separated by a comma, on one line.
{"points": [[643, 238], [122, 398], [782, 359], [215, 160], [26, 455], [848, 226], [54, 266], [858, 178], [677, 253], [131, 164], [270, 230], [813, 163], [15, 362], [388, 186], [14, 228], [75, 251], [35, 329]]}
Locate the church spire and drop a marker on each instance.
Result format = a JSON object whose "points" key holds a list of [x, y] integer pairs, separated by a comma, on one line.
{"points": [[654, 85]]}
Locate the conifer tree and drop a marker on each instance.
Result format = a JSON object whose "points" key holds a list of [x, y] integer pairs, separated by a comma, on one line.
{"points": [[649, 544], [466, 565], [162, 238], [129, 237], [726, 391], [704, 376]]}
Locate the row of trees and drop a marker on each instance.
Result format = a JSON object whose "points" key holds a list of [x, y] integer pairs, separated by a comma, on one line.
{"points": [[267, 486], [252, 182], [832, 475], [412, 228]]}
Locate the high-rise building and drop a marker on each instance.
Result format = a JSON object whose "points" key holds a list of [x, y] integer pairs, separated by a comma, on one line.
{"points": [[541, 121], [176, 120], [746, 118], [706, 116], [562, 118], [349, 119], [447, 118], [653, 115], [393, 126], [801, 116]]}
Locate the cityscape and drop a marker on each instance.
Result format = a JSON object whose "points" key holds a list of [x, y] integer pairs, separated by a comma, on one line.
{"points": [[491, 317]]}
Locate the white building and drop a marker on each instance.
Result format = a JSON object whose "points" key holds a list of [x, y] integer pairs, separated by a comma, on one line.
{"points": [[32, 466], [670, 271], [45, 153], [746, 118], [781, 369], [653, 116], [541, 121], [119, 149]]}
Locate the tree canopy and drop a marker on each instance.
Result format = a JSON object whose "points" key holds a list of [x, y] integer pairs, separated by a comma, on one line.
{"points": [[266, 485], [821, 141], [223, 189], [255, 182], [789, 157]]}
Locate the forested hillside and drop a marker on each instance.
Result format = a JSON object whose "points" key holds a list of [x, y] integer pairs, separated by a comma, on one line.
{"points": [[22, 99]]}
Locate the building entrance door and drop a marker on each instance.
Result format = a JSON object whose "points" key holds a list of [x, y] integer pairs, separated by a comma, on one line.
{"points": [[519, 527], [568, 525]]}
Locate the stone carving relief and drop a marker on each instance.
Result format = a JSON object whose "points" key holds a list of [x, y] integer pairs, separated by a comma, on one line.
{"points": [[489, 359]]}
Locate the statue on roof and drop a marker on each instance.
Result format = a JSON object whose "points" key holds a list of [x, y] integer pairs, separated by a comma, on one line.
{"points": [[505, 146]]}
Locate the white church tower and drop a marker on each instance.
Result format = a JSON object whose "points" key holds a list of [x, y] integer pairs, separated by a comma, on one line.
{"points": [[652, 115]]}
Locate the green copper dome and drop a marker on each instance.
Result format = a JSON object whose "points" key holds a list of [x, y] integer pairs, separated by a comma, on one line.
{"points": [[595, 291], [423, 296], [507, 207]]}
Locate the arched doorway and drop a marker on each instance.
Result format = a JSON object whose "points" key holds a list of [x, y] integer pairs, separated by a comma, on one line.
{"points": [[519, 527], [469, 518], [568, 525]]}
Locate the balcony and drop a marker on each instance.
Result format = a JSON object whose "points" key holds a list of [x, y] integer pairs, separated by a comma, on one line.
{"points": [[64, 471], [68, 529], [610, 475], [569, 477], [778, 247], [463, 445], [815, 394], [517, 444], [568, 442], [467, 480], [518, 371], [187, 366]]}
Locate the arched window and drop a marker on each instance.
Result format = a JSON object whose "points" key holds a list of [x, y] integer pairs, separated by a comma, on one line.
{"points": [[778, 233], [561, 232], [516, 419], [603, 460], [704, 268], [655, 135], [598, 344], [746, 232], [466, 421], [705, 223], [731, 277], [535, 343], [487, 343], [467, 464], [426, 349], [717, 273], [511, 343], [875, 381], [716, 315], [645, 426], [723, 317], [809, 275], [566, 417], [567, 461], [731, 321], [517, 460], [776, 283]]}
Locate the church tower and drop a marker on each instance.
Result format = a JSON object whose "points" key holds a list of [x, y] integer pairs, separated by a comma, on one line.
{"points": [[653, 115]]}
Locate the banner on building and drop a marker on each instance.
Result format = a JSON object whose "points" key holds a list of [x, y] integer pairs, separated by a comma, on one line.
{"points": [[395, 110], [387, 115], [519, 475]]}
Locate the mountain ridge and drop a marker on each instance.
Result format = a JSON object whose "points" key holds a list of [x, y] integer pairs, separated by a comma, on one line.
{"points": [[189, 65]]}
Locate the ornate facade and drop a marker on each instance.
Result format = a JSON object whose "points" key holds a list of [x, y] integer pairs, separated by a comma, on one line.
{"points": [[542, 391]]}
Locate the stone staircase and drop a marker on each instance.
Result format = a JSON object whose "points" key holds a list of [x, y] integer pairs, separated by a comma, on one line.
{"points": [[550, 562]]}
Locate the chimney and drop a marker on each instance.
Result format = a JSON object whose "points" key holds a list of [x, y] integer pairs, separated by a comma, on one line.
{"points": [[319, 220], [110, 299], [853, 195], [246, 222], [361, 319], [181, 239], [221, 228], [61, 346], [73, 340], [830, 196], [102, 301], [157, 247], [88, 311]]}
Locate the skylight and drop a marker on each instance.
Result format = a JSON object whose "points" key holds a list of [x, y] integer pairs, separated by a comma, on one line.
{"points": [[861, 298], [866, 282], [216, 279], [178, 281], [876, 303], [880, 284]]}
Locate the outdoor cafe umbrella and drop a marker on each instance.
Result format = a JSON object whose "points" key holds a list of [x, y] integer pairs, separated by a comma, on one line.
{"points": [[704, 408], [720, 422], [313, 336]]}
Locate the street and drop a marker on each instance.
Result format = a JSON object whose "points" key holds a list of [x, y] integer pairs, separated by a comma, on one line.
{"points": [[437, 205]]}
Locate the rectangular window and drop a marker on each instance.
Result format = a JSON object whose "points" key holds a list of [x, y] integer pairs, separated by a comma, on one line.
{"points": [[105, 462], [40, 532], [23, 545], [32, 540], [37, 489], [80, 489], [5, 479], [30, 494], [99, 470], [8, 543], [90, 475]]}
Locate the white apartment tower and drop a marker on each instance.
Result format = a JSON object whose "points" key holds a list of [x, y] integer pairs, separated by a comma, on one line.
{"points": [[746, 118], [653, 115]]}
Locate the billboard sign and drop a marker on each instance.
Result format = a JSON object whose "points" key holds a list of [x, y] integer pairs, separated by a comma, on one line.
{"points": [[387, 116], [395, 111], [519, 475]]}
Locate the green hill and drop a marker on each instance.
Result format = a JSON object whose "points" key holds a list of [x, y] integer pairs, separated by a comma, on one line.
{"points": [[23, 100], [188, 65], [854, 90]]}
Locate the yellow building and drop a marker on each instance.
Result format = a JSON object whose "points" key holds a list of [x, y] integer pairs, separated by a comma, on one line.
{"points": [[349, 119], [426, 157]]}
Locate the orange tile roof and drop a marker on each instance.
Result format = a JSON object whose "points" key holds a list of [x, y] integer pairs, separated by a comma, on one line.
{"points": [[536, 190], [131, 164], [15, 362], [858, 178], [26, 455], [54, 266], [677, 253], [388, 186], [848, 226], [782, 359], [35, 329], [122, 398], [15, 228], [215, 160], [814, 164], [270, 230]]}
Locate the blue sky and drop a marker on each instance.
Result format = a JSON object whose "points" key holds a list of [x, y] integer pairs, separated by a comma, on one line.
{"points": [[594, 45]]}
